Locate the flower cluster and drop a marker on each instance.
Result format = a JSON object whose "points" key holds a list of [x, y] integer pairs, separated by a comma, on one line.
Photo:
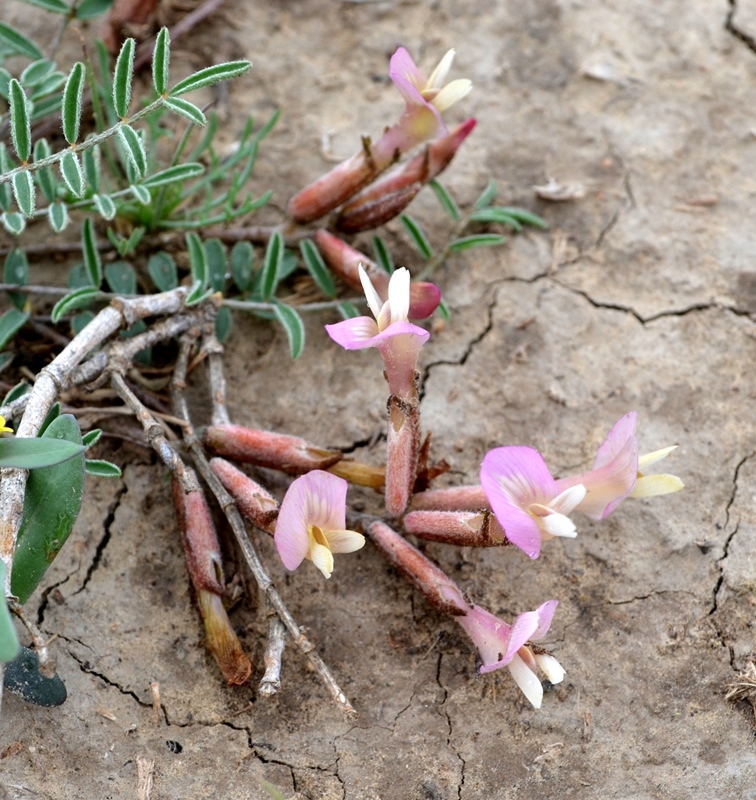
{"points": [[518, 501]]}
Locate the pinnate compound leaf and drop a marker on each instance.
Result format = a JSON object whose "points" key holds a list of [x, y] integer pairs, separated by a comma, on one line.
{"points": [[294, 327], [123, 74], [211, 75]]}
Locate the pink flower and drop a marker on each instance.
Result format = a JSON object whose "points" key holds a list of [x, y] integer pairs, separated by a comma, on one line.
{"points": [[500, 645], [616, 473], [397, 340], [311, 523], [526, 499], [425, 100]]}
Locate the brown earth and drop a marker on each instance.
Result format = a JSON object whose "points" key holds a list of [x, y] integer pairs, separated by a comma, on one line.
{"points": [[641, 296]]}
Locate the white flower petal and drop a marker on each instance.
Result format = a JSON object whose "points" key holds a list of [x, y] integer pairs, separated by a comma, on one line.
{"points": [[373, 300], [321, 557], [568, 499], [438, 76], [653, 485], [451, 93], [399, 295], [344, 541], [557, 525], [550, 667], [652, 458], [527, 680]]}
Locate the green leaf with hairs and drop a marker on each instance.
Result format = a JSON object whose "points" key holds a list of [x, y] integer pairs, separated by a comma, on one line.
{"points": [[57, 215], [317, 268], [416, 233], [211, 75], [161, 60], [11, 323], [79, 298], [186, 109], [294, 327], [70, 170], [24, 192], [123, 75], [272, 266], [71, 105], [134, 147], [18, 43], [13, 222], [92, 260], [20, 120]]}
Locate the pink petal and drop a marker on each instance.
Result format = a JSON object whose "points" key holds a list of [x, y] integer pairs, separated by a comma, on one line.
{"points": [[489, 634], [354, 334], [291, 536], [317, 498], [518, 474], [513, 478], [545, 614], [325, 499], [616, 439], [523, 629], [406, 76]]}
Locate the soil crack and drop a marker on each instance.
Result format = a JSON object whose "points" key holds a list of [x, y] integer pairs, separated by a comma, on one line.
{"points": [[105, 539], [730, 26], [469, 347]]}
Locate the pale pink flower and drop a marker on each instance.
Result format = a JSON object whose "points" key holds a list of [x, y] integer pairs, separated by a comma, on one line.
{"points": [[525, 498], [397, 340], [616, 473], [504, 645], [425, 99], [311, 523]]}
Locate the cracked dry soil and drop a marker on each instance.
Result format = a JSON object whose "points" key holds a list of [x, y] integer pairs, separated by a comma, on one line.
{"points": [[642, 296]]}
